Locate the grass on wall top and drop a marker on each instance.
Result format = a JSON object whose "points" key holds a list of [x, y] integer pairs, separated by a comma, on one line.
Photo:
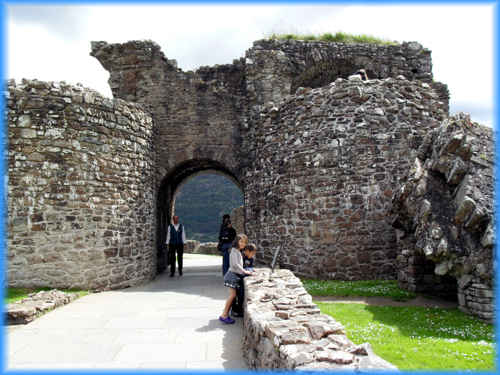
{"points": [[338, 37]]}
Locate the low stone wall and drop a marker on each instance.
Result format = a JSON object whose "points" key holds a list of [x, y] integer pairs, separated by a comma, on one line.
{"points": [[284, 329], [209, 248], [191, 246], [195, 247]]}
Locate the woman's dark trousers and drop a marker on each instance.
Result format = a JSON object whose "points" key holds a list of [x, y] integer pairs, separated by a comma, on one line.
{"points": [[226, 248]]}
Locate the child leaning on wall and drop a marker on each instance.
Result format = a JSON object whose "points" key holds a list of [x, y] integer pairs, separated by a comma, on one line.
{"points": [[233, 277], [249, 252]]}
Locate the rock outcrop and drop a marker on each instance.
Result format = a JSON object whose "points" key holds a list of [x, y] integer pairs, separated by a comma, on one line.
{"points": [[445, 216]]}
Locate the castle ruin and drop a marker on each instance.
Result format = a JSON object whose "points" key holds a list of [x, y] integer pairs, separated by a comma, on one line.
{"points": [[321, 156]]}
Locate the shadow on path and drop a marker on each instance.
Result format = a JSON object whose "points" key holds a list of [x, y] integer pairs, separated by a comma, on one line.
{"points": [[169, 323]]}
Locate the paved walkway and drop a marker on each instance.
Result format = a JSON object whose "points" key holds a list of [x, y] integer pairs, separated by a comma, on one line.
{"points": [[170, 323]]}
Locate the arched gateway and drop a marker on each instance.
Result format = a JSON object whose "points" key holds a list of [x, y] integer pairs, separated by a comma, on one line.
{"points": [[170, 185], [92, 180]]}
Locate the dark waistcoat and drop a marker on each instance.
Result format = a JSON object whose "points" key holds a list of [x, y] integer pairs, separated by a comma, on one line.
{"points": [[175, 236]]}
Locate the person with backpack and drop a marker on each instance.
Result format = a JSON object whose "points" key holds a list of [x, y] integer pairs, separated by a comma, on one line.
{"points": [[176, 238]]}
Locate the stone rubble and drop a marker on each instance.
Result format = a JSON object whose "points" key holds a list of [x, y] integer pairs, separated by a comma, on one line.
{"points": [[36, 304]]}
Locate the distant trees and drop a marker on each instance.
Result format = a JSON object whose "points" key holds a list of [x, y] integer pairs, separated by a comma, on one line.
{"points": [[202, 201]]}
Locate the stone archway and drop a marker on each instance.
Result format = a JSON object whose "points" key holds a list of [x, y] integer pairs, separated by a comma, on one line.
{"points": [[170, 184]]}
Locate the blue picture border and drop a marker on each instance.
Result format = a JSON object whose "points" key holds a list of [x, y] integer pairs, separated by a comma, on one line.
{"points": [[3, 193]]}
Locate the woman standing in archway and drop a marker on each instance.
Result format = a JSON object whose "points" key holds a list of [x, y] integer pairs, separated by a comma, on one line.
{"points": [[227, 235]]}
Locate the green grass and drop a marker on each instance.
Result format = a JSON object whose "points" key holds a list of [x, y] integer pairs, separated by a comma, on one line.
{"points": [[419, 338], [17, 294], [364, 288], [338, 37]]}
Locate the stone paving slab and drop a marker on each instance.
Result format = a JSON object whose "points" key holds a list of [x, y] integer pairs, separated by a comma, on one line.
{"points": [[170, 323]]}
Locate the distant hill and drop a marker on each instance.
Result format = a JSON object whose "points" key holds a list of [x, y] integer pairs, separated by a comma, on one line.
{"points": [[201, 203]]}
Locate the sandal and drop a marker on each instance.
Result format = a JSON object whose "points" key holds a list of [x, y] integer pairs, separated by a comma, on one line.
{"points": [[227, 320]]}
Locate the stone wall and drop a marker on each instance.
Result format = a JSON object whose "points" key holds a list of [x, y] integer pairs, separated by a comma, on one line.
{"points": [[284, 329], [80, 189], [327, 162], [445, 216], [197, 116], [276, 68], [195, 247], [238, 219]]}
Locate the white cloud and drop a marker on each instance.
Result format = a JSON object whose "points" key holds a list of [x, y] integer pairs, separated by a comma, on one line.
{"points": [[53, 42], [35, 52]]}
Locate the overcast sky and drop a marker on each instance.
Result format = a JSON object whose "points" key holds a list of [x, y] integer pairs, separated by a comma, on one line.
{"points": [[52, 42]]}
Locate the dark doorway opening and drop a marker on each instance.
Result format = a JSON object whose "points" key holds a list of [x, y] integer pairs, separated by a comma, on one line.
{"points": [[426, 281]]}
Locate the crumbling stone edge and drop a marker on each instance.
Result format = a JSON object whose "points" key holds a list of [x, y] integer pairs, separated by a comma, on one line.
{"points": [[37, 304], [284, 329]]}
